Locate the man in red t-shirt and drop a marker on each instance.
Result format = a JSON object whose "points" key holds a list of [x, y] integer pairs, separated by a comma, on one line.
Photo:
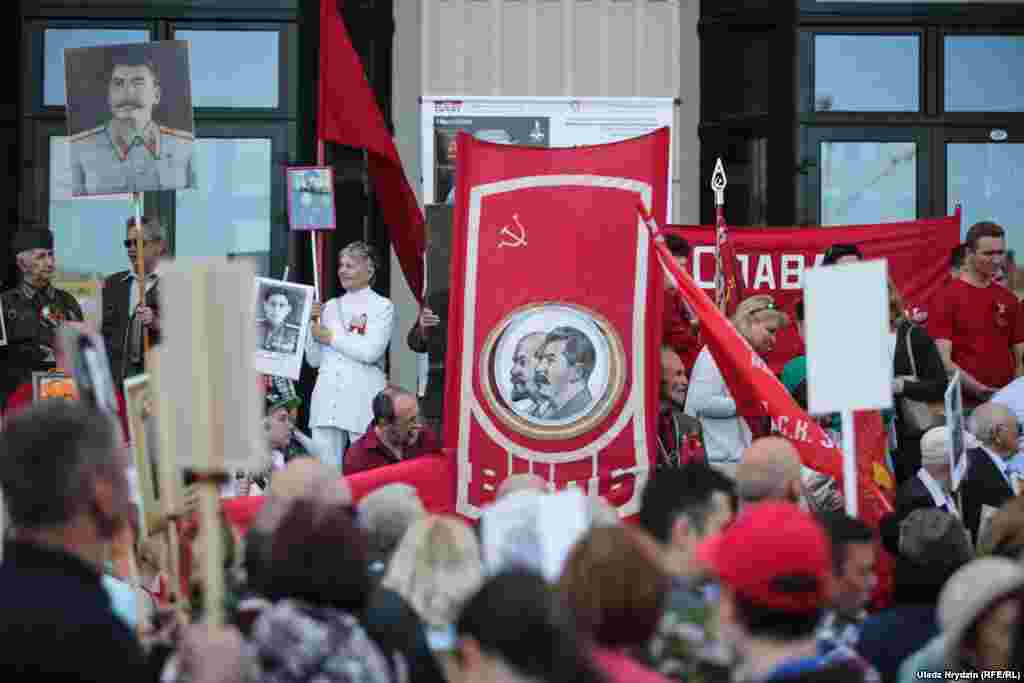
{"points": [[680, 328], [976, 323]]}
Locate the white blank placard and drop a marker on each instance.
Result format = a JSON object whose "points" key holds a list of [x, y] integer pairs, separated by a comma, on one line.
{"points": [[849, 353]]}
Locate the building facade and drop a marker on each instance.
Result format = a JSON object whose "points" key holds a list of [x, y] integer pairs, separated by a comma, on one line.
{"points": [[824, 111]]}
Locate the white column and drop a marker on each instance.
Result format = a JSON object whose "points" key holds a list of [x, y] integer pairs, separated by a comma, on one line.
{"points": [[531, 47], [639, 46], [498, 46], [603, 42], [568, 47]]}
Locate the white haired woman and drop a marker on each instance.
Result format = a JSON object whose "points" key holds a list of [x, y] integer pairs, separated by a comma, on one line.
{"points": [[726, 433], [348, 346]]}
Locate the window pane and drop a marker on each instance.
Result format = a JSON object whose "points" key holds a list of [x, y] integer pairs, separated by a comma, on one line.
{"points": [[866, 73], [983, 73], [55, 40], [233, 68], [868, 182], [229, 214], [986, 180], [87, 231]]}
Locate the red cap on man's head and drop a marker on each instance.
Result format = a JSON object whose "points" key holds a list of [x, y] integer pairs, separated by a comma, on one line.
{"points": [[774, 555]]}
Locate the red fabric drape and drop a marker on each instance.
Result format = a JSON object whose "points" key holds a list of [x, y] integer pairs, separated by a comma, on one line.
{"points": [[348, 114]]}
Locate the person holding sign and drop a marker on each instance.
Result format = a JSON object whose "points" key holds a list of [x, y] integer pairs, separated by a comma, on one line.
{"points": [[125, 318], [350, 336], [35, 309], [976, 323], [726, 433]]}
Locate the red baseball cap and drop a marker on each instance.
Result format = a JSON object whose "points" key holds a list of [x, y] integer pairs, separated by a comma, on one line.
{"points": [[775, 555]]}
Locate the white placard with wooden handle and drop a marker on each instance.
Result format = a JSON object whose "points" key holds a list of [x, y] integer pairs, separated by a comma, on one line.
{"points": [[210, 391]]}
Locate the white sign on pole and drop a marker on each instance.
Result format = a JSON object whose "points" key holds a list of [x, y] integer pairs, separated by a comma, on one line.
{"points": [[849, 352], [534, 121], [956, 448]]}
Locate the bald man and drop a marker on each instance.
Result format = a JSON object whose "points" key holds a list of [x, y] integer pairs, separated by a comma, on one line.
{"points": [[988, 483], [769, 470]]}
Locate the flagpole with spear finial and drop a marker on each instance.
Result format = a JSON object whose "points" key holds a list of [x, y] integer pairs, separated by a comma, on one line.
{"points": [[719, 181]]}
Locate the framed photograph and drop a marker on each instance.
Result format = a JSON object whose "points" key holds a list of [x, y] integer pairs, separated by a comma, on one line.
{"points": [[130, 122], [311, 198], [141, 413], [47, 385], [554, 370], [282, 324]]}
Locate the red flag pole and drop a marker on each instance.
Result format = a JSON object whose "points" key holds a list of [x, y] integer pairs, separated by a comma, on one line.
{"points": [[718, 184]]}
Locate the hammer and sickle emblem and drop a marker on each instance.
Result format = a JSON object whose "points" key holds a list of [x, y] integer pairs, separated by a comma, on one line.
{"points": [[515, 233]]}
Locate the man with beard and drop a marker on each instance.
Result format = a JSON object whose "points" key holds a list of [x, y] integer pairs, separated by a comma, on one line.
{"points": [[679, 435], [34, 310], [132, 152], [564, 364], [525, 397], [273, 332]]}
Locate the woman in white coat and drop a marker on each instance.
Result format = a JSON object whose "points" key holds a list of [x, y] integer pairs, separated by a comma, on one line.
{"points": [[348, 347], [726, 433]]}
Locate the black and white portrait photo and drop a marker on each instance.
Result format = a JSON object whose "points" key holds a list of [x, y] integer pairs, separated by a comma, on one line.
{"points": [[129, 110], [282, 322], [552, 366], [311, 198]]}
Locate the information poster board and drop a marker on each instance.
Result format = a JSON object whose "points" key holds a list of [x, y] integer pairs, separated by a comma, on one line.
{"points": [[534, 121]]}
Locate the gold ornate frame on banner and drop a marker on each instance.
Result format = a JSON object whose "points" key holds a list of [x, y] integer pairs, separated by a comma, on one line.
{"points": [[610, 366]]}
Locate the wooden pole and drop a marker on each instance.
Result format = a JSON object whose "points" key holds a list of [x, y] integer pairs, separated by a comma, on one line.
{"points": [[140, 268], [849, 463], [316, 237]]}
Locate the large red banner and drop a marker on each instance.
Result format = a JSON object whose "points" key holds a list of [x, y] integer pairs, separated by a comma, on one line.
{"points": [[772, 261], [553, 359]]}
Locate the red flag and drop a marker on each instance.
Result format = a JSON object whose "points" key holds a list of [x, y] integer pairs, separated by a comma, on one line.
{"points": [[729, 286], [757, 391], [348, 114]]}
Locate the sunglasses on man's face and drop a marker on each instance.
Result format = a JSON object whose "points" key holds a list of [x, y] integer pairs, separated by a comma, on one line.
{"points": [[128, 244]]}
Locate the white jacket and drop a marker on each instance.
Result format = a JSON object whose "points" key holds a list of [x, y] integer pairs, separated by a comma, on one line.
{"points": [[352, 366], [709, 400]]}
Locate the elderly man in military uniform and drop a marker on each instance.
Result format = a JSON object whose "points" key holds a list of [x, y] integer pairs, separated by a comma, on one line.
{"points": [[34, 310], [125, 318], [273, 331], [132, 152]]}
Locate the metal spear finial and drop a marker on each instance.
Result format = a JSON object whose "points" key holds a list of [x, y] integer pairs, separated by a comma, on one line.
{"points": [[718, 182]]}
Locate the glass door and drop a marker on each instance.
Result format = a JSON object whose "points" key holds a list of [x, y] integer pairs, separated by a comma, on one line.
{"points": [[984, 174]]}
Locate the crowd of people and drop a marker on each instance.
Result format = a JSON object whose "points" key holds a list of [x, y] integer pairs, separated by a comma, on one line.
{"points": [[739, 566]]}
